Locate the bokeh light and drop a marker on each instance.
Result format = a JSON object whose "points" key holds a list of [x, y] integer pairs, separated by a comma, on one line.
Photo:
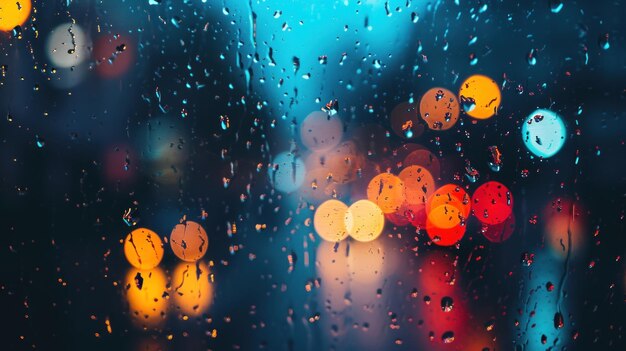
{"points": [[445, 236], [113, 55], [287, 172], [364, 220], [329, 220], [450, 194], [439, 108], [338, 166], [145, 292], [445, 216], [192, 290], [500, 232], [544, 133], [320, 131], [565, 227], [480, 96], [189, 241], [387, 191], [13, 13], [68, 45], [419, 184], [492, 202], [143, 248]]}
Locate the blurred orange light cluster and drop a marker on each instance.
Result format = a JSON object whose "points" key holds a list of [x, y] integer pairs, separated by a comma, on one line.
{"points": [[143, 248]]}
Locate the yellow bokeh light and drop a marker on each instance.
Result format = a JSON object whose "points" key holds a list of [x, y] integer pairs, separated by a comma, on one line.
{"points": [[387, 191], [13, 13], [480, 96], [329, 220], [189, 241], [143, 248], [144, 291], [191, 289], [364, 221], [419, 184]]}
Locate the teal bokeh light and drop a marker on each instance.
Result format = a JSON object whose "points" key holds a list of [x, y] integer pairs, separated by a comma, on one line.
{"points": [[287, 172], [544, 133]]}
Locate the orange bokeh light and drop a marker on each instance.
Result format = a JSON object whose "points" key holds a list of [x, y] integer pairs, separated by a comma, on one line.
{"points": [[143, 248], [444, 236], [480, 96], [144, 291], [13, 13], [387, 191], [445, 216], [450, 194], [418, 184], [192, 290], [439, 108], [189, 241]]}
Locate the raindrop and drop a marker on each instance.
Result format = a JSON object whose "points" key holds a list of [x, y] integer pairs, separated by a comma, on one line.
{"points": [[447, 337], [532, 58], [447, 303], [468, 104], [558, 320], [556, 6], [603, 41]]}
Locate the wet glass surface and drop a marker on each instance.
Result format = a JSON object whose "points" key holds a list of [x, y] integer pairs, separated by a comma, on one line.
{"points": [[312, 175]]}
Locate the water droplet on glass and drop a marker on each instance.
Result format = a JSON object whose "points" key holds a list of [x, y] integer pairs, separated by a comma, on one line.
{"points": [[447, 337], [468, 104], [558, 320], [532, 57], [447, 303], [603, 41], [556, 6]]}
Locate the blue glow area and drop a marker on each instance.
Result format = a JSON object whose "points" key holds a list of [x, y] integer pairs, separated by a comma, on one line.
{"points": [[287, 172], [540, 305], [300, 54], [544, 133]]}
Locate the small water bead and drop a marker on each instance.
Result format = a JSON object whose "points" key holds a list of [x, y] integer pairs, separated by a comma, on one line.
{"points": [[447, 337], [447, 303], [556, 6], [532, 57], [558, 320], [527, 259], [603, 41], [468, 104]]}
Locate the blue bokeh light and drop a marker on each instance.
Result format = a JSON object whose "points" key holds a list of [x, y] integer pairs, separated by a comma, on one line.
{"points": [[544, 133], [287, 173]]}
